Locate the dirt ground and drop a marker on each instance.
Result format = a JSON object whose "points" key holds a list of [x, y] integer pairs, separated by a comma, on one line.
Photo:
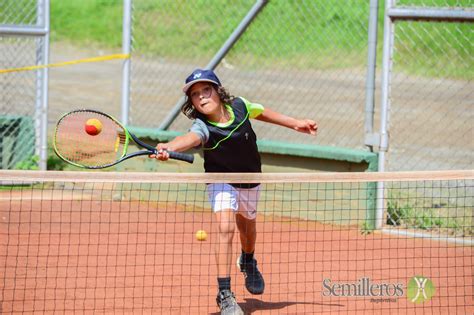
{"points": [[121, 257]]}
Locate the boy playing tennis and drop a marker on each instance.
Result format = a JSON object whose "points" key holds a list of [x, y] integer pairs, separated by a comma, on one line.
{"points": [[222, 127]]}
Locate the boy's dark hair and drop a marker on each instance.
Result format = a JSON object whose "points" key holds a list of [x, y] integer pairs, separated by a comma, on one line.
{"points": [[191, 112]]}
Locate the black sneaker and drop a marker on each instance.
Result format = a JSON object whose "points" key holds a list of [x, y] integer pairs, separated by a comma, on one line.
{"points": [[227, 303], [253, 278]]}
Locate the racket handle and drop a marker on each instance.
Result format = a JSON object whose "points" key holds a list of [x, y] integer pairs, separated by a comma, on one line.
{"points": [[181, 156]]}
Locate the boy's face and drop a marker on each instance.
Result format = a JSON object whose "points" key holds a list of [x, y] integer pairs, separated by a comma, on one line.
{"points": [[205, 98]]}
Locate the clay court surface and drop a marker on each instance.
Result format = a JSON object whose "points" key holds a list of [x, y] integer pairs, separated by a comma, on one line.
{"points": [[122, 257]]}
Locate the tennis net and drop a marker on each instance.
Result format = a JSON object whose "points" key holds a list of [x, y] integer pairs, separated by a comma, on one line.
{"points": [[103, 242]]}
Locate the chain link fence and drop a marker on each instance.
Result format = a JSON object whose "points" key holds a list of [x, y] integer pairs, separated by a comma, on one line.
{"points": [[20, 12], [431, 116], [303, 58], [308, 59], [445, 4], [432, 97], [18, 96], [431, 88]]}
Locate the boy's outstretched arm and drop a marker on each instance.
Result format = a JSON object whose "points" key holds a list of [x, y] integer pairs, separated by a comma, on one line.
{"points": [[302, 125], [179, 144]]}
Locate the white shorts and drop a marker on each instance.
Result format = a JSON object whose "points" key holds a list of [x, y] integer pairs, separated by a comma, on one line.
{"points": [[241, 200]]}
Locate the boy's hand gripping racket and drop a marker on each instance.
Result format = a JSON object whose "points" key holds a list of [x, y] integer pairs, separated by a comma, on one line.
{"points": [[92, 139]]}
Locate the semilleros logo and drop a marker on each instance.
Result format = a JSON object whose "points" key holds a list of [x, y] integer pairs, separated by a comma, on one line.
{"points": [[420, 289], [364, 287]]}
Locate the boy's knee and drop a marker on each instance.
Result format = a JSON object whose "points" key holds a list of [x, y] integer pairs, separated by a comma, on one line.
{"points": [[227, 228]]}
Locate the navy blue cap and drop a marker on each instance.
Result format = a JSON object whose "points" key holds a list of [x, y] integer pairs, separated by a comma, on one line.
{"points": [[200, 75]]}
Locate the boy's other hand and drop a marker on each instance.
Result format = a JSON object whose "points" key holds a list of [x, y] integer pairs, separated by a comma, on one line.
{"points": [[306, 126]]}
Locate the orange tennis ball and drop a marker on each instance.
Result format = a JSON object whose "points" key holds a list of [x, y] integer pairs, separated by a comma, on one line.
{"points": [[93, 127], [201, 235]]}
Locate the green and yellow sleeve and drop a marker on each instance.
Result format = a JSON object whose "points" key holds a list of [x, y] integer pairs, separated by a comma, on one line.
{"points": [[254, 109]]}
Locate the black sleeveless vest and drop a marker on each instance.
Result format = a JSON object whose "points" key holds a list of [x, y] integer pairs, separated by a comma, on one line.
{"points": [[232, 149]]}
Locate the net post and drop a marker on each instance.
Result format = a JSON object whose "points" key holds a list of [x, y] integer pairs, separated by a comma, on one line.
{"points": [[371, 212], [371, 222]]}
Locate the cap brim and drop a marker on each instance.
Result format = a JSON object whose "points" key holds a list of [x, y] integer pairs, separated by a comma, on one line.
{"points": [[189, 84]]}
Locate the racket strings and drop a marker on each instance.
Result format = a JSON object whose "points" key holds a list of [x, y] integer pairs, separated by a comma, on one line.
{"points": [[74, 144]]}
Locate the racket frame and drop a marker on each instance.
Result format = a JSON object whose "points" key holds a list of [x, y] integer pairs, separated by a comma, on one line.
{"points": [[149, 149]]}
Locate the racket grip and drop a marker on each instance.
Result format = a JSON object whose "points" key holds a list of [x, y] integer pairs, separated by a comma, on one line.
{"points": [[181, 156]]}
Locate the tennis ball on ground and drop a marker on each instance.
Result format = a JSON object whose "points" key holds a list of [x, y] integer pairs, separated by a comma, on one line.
{"points": [[201, 235], [93, 127]]}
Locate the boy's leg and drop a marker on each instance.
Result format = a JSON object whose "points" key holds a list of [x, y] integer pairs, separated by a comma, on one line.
{"points": [[248, 232], [254, 281], [226, 228], [246, 217], [223, 201], [223, 250]]}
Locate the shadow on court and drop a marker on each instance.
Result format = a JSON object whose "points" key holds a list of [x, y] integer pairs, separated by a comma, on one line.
{"points": [[253, 305]]}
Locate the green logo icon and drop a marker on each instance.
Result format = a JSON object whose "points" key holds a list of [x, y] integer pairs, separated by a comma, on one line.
{"points": [[420, 289]]}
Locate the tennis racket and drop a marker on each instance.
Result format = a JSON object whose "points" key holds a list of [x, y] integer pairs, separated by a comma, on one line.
{"points": [[93, 140]]}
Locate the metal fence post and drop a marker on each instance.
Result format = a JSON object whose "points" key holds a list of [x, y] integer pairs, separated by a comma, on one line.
{"points": [[126, 49], [370, 140], [385, 107], [42, 78]]}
